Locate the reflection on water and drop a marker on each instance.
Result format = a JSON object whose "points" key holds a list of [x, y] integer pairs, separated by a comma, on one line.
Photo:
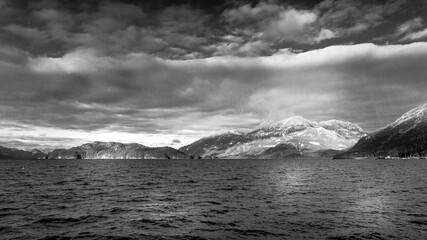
{"points": [[211, 199]]}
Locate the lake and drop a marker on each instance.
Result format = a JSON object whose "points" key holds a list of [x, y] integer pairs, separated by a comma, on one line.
{"points": [[213, 199]]}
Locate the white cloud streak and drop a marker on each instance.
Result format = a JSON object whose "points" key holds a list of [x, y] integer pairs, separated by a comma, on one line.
{"points": [[137, 94]]}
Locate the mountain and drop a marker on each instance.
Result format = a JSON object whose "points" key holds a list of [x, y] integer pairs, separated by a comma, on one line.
{"points": [[407, 136], [13, 153], [115, 150], [292, 137]]}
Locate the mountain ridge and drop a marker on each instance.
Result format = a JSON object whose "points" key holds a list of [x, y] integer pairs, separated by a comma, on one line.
{"points": [[13, 153], [292, 137], [98, 150], [296, 134], [406, 136], [116, 150]]}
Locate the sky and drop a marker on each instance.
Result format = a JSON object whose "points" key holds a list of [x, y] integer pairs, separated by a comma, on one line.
{"points": [[166, 73]]}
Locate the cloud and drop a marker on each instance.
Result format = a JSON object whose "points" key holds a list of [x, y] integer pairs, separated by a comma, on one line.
{"points": [[111, 27], [324, 34], [411, 30], [347, 17], [112, 31], [419, 35], [241, 48], [409, 26], [10, 54], [408, 31], [246, 14], [146, 99], [2, 4], [273, 22], [123, 11], [278, 23], [30, 137], [30, 33], [171, 31], [290, 25]]}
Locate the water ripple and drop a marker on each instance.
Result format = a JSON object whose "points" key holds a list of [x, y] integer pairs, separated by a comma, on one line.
{"points": [[215, 199]]}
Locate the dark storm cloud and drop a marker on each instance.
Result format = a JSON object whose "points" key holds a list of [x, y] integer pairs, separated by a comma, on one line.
{"points": [[187, 30], [348, 17], [270, 21], [109, 26], [258, 29], [30, 33]]}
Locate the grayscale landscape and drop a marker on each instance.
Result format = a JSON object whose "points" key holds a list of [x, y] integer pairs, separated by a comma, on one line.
{"points": [[228, 119]]}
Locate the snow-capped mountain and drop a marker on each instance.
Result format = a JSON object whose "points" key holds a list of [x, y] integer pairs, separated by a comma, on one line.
{"points": [[346, 129], [295, 135], [404, 137], [411, 118], [284, 127]]}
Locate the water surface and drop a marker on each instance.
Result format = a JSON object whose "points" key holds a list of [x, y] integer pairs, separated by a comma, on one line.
{"points": [[213, 199]]}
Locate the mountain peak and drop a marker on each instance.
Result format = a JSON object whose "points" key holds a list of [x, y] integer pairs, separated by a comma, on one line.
{"points": [[334, 123], [417, 114], [292, 135], [238, 131], [407, 136], [292, 121]]}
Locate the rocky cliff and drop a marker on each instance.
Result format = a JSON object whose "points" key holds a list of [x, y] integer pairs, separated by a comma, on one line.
{"points": [[115, 150]]}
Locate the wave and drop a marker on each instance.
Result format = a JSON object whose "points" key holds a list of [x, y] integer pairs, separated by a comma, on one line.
{"points": [[60, 220]]}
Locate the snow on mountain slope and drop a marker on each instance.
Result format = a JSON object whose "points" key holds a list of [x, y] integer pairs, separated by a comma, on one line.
{"points": [[286, 126], [346, 129], [415, 116], [405, 136], [302, 134]]}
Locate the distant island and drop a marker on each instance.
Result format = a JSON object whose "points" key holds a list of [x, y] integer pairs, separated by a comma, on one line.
{"points": [[100, 150], [295, 137]]}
